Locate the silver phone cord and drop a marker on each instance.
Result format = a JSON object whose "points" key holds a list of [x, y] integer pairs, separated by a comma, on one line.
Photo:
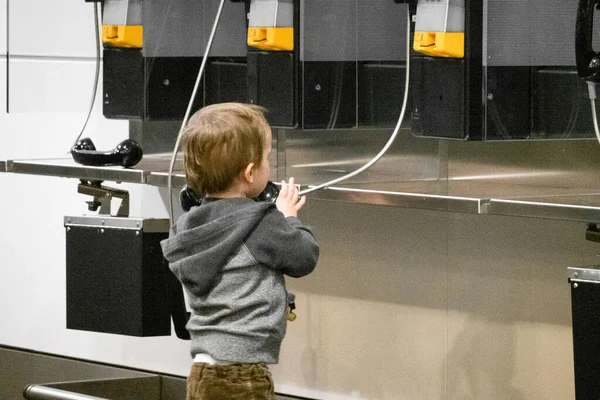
{"points": [[314, 188], [394, 134], [189, 109], [592, 93], [96, 75]]}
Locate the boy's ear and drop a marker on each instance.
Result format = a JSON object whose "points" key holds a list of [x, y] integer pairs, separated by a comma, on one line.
{"points": [[249, 173]]}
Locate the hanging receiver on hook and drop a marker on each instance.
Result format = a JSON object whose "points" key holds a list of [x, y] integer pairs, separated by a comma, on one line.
{"points": [[121, 28], [588, 61]]}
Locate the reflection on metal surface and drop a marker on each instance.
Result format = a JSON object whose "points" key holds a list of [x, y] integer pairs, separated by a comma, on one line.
{"points": [[559, 164], [471, 189], [399, 199], [332, 164], [514, 175], [548, 179], [161, 179], [314, 157], [548, 210]]}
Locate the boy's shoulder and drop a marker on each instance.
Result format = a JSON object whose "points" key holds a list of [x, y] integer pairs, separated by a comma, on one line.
{"points": [[231, 205], [229, 210]]}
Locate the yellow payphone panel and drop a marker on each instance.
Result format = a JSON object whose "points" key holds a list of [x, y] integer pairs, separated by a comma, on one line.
{"points": [[271, 25], [269, 38], [123, 35], [439, 28], [440, 44]]}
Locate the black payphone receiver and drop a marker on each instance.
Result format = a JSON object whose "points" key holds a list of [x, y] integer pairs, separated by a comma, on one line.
{"points": [[588, 61], [188, 198], [127, 154]]}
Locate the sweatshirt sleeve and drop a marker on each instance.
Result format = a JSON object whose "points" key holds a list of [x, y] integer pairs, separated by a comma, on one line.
{"points": [[284, 243]]}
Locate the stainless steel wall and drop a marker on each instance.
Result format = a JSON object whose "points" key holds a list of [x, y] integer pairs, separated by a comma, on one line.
{"points": [[419, 304], [507, 169]]}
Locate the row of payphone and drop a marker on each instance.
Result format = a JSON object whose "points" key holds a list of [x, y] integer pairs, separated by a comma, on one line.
{"points": [[479, 69]]}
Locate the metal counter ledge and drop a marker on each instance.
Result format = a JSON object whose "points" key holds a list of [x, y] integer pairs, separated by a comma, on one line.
{"points": [[490, 198], [474, 197], [67, 168]]}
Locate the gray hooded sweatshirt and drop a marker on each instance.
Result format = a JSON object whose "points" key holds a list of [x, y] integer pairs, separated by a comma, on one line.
{"points": [[231, 256]]}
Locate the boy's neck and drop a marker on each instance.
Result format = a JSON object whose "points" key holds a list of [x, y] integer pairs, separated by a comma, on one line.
{"points": [[234, 191]]}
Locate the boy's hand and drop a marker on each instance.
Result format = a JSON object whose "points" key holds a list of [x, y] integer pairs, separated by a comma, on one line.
{"points": [[288, 201]]}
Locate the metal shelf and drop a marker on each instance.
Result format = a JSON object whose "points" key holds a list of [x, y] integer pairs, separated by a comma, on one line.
{"points": [[403, 199], [490, 198], [162, 178], [67, 168], [547, 209]]}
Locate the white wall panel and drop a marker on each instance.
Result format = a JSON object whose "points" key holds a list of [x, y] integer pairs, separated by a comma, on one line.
{"points": [[3, 21], [32, 261], [2, 88], [51, 135], [44, 85], [52, 28], [32, 288], [48, 104]]}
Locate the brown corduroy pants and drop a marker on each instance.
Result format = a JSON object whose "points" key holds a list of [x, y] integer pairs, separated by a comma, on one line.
{"points": [[230, 382]]}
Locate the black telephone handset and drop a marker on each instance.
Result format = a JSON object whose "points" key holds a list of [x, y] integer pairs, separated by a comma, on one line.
{"points": [[127, 154], [588, 61], [188, 198]]}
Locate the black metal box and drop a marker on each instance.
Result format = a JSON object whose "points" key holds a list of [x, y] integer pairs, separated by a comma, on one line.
{"points": [[148, 88], [117, 275], [585, 306], [272, 84]]}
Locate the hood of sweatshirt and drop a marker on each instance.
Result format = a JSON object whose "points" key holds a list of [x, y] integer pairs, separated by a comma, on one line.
{"points": [[203, 239]]}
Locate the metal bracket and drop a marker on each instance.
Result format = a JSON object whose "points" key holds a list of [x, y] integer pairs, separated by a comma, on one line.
{"points": [[103, 196]]}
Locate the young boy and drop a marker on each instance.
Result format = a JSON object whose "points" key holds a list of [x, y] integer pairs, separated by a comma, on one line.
{"points": [[231, 253]]}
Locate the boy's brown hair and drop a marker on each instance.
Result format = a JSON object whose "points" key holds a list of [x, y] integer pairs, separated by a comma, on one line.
{"points": [[219, 142]]}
